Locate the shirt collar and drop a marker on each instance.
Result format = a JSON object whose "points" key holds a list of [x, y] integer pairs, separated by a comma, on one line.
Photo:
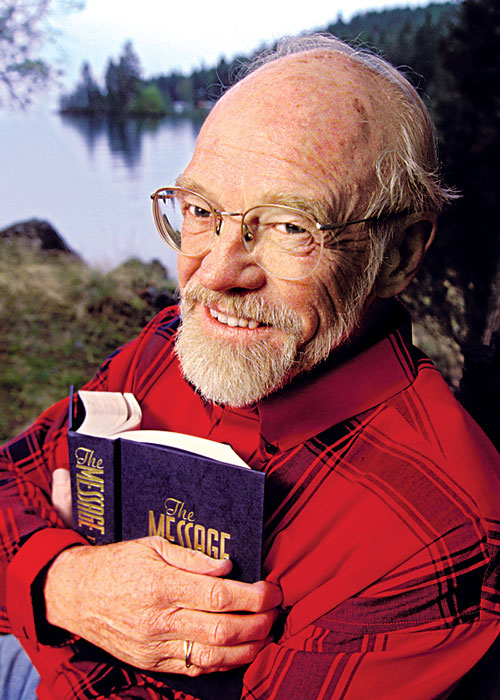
{"points": [[333, 393]]}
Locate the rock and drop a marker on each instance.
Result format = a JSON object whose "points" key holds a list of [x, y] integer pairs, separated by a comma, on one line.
{"points": [[158, 298], [40, 234]]}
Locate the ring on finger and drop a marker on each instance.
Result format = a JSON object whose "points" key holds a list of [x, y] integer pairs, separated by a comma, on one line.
{"points": [[188, 647]]}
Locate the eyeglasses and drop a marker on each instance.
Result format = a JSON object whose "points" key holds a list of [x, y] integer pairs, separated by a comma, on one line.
{"points": [[285, 242]]}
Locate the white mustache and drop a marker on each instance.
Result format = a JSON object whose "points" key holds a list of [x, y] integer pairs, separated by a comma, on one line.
{"points": [[251, 307]]}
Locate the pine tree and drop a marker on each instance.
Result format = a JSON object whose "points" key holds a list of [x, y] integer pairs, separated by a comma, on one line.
{"points": [[469, 118], [123, 79]]}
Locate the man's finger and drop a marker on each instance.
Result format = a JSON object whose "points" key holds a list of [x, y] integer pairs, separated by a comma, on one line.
{"points": [[196, 658], [198, 586], [197, 592], [188, 559], [61, 494], [219, 629]]}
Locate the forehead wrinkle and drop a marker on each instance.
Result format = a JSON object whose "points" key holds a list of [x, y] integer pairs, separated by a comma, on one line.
{"points": [[211, 166], [189, 183]]}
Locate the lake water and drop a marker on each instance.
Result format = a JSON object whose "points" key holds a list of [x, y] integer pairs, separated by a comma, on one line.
{"points": [[92, 179]]}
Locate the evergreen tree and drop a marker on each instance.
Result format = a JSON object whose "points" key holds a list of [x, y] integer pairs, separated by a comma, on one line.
{"points": [[469, 118], [123, 79], [87, 96], [112, 86]]}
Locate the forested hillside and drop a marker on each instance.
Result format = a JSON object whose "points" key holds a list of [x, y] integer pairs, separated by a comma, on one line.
{"points": [[407, 37]]}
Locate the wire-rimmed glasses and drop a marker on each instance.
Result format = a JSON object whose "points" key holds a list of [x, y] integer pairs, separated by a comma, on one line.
{"points": [[284, 241]]}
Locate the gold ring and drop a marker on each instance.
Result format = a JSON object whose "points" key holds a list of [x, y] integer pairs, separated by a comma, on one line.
{"points": [[188, 647]]}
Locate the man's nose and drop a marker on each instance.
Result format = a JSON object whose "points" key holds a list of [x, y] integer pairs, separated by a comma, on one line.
{"points": [[228, 265]]}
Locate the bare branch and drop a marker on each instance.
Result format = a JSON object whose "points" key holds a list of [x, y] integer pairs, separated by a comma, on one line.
{"points": [[24, 29]]}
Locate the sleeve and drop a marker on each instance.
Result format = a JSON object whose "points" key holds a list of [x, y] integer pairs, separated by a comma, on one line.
{"points": [[32, 534], [26, 466], [411, 665], [400, 625]]}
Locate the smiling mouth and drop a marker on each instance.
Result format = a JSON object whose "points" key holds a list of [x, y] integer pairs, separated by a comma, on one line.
{"points": [[234, 321]]}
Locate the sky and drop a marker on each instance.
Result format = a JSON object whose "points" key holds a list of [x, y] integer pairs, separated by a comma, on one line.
{"points": [[186, 34]]}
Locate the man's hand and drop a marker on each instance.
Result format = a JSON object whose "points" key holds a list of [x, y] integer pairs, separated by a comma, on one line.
{"points": [[140, 600]]}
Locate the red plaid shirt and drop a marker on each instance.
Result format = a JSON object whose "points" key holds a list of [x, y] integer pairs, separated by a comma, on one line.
{"points": [[382, 526]]}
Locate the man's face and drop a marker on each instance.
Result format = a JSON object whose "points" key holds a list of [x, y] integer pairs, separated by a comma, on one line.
{"points": [[275, 136]]}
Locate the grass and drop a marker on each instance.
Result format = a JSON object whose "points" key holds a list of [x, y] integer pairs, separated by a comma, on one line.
{"points": [[58, 320]]}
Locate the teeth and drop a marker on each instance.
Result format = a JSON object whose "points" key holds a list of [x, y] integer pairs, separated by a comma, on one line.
{"points": [[234, 321]]}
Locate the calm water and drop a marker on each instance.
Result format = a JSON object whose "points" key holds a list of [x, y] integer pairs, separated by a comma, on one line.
{"points": [[92, 180]]}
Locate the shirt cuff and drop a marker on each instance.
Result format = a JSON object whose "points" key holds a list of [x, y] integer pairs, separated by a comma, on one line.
{"points": [[22, 573]]}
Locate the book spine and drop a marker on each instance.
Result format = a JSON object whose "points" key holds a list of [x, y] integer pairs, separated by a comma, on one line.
{"points": [[92, 468]]}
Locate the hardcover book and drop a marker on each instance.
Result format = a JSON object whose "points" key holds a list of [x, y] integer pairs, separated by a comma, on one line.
{"points": [[128, 483]]}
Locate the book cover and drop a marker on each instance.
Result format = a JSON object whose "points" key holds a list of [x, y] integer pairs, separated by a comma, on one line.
{"points": [[124, 488]]}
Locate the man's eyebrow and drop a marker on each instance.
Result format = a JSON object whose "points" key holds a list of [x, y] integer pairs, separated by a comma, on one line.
{"points": [[310, 205], [318, 209], [189, 184]]}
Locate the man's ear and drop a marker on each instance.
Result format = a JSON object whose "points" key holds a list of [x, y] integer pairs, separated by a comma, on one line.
{"points": [[404, 254]]}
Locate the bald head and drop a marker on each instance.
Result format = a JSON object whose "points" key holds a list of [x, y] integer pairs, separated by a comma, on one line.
{"points": [[317, 111], [348, 103]]}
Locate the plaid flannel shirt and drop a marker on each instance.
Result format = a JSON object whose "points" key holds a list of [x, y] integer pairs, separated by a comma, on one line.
{"points": [[382, 526]]}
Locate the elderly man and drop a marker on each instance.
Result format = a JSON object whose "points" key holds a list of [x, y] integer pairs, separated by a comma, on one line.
{"points": [[307, 207]]}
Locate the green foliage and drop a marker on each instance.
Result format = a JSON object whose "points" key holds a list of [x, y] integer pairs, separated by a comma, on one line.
{"points": [[59, 319], [466, 109], [406, 37], [149, 101], [122, 87], [87, 96], [468, 115]]}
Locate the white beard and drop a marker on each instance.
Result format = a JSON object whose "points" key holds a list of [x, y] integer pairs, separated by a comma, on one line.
{"points": [[236, 374], [241, 374]]}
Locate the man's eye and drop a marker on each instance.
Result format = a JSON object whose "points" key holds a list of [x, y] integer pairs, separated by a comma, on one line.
{"points": [[290, 228], [198, 212]]}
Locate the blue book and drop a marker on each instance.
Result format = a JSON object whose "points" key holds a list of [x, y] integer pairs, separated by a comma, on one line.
{"points": [[132, 483]]}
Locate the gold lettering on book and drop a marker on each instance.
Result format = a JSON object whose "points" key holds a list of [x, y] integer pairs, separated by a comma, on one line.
{"points": [[177, 524], [89, 480], [176, 508]]}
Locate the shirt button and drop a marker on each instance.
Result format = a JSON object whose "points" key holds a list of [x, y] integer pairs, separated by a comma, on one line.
{"points": [[270, 448]]}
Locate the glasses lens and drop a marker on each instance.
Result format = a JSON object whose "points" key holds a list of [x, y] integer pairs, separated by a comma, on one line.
{"points": [[284, 241], [185, 220]]}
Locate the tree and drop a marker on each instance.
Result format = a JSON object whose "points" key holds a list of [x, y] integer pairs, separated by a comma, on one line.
{"points": [[149, 102], [469, 119], [86, 97], [24, 29], [122, 79]]}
